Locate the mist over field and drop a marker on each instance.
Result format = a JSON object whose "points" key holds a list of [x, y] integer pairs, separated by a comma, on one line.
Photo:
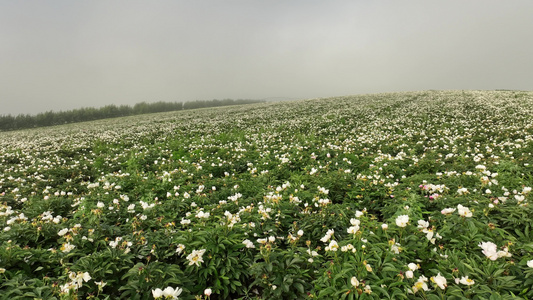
{"points": [[62, 55]]}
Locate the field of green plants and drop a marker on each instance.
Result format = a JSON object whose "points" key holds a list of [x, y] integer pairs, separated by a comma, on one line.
{"points": [[423, 195]]}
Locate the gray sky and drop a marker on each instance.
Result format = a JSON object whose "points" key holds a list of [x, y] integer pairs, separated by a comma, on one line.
{"points": [[61, 55]]}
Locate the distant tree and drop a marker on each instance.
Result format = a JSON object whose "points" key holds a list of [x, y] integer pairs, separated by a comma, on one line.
{"points": [[140, 108], [49, 118]]}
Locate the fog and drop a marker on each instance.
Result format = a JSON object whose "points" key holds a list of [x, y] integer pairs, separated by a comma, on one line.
{"points": [[62, 55]]}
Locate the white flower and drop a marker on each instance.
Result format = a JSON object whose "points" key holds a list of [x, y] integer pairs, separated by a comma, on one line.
{"points": [[413, 266], [327, 236], [85, 276], [530, 263], [409, 274], [62, 232], [157, 293], [489, 249], [439, 280], [79, 278], [464, 211], [423, 224], [312, 253], [480, 167], [202, 214], [355, 222], [67, 247], [447, 211], [65, 288], [347, 248], [262, 241], [353, 229], [180, 248], [395, 248], [248, 243], [466, 281], [195, 258], [300, 232], [368, 267], [420, 284], [401, 221], [504, 252], [354, 282], [170, 292], [384, 226], [358, 213], [429, 235], [333, 246], [368, 289], [207, 292], [462, 191]]}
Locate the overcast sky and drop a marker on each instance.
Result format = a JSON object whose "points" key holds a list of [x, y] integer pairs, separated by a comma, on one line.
{"points": [[61, 55]]}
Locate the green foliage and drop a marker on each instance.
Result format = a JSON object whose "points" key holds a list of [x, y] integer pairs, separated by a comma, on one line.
{"points": [[393, 196]]}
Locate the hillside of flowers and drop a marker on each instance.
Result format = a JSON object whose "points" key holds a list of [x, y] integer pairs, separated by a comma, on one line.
{"points": [[422, 195]]}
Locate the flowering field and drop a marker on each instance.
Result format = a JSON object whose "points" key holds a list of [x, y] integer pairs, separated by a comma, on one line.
{"points": [[420, 195]]}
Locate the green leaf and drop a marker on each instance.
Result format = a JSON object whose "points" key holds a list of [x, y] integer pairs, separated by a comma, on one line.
{"points": [[433, 297], [299, 287]]}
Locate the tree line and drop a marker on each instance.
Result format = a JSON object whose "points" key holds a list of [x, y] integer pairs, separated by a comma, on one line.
{"points": [[50, 118]]}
